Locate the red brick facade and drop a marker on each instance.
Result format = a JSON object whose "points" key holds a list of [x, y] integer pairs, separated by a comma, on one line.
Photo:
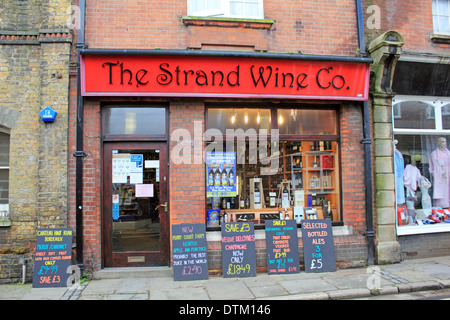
{"points": [[291, 27]]}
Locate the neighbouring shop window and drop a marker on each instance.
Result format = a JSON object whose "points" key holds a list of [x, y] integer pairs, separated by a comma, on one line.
{"points": [[135, 121], [441, 16], [226, 8], [268, 170], [4, 173], [422, 161]]}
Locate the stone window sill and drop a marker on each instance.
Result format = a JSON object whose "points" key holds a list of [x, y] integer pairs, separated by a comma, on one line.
{"points": [[440, 38], [5, 222], [227, 22]]}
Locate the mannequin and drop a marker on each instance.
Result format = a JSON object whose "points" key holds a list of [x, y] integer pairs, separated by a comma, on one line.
{"points": [[439, 169], [399, 168]]}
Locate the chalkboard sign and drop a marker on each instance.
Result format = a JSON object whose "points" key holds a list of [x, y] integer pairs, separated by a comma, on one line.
{"points": [[318, 245], [282, 246], [53, 258], [190, 260], [238, 250]]}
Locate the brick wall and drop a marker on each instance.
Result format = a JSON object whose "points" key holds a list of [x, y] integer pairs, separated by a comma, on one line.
{"points": [[412, 19], [92, 222], [312, 27], [187, 180], [34, 71]]}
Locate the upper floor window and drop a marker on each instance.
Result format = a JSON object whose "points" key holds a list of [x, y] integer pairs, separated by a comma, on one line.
{"points": [[227, 8], [441, 16]]}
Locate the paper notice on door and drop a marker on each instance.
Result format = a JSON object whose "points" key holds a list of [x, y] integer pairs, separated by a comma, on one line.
{"points": [[136, 168], [120, 167], [144, 190]]}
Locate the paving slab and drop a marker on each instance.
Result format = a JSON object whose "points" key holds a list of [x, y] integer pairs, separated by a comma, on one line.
{"points": [[306, 286], [435, 270], [13, 291], [101, 287], [133, 286], [197, 293], [228, 290], [45, 293], [268, 291]]}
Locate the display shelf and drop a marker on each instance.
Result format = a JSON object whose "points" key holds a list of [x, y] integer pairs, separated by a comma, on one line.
{"points": [[257, 216]]}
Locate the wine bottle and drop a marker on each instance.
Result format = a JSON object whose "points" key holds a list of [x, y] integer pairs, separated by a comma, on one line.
{"points": [[257, 195]]}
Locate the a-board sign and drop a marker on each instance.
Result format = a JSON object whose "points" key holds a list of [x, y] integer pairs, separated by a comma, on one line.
{"points": [[238, 250], [318, 245], [53, 258], [282, 246], [190, 259]]}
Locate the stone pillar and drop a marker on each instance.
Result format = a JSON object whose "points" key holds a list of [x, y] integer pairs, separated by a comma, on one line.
{"points": [[385, 50]]}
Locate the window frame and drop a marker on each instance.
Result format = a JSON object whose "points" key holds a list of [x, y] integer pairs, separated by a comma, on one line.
{"points": [[285, 138], [225, 10], [4, 207], [436, 16], [438, 103]]}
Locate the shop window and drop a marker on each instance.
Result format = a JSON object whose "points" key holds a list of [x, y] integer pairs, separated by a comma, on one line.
{"points": [[256, 177], [226, 8], [4, 175], [414, 115], [307, 122], [135, 121], [446, 117], [421, 164], [441, 16]]}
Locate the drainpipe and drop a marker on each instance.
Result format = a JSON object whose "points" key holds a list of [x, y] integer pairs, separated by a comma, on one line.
{"points": [[367, 141], [24, 270], [79, 154]]}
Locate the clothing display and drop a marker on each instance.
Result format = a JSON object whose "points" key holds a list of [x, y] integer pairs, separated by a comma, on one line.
{"points": [[411, 178], [439, 168], [399, 169]]}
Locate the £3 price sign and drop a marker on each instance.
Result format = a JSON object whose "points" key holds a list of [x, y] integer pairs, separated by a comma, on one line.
{"points": [[238, 250], [52, 258], [318, 245]]}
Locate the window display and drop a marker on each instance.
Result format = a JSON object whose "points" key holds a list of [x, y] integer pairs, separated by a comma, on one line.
{"points": [[293, 177], [421, 162]]}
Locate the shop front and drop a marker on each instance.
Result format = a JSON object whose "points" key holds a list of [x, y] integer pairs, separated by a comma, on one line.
{"points": [[208, 137], [421, 131]]}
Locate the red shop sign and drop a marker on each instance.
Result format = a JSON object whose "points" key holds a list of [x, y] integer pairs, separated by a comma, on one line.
{"points": [[228, 77]]}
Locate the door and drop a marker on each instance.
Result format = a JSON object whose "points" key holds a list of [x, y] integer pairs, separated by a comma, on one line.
{"points": [[135, 208]]}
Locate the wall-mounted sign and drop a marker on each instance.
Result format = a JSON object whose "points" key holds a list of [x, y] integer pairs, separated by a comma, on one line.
{"points": [[48, 114], [217, 76]]}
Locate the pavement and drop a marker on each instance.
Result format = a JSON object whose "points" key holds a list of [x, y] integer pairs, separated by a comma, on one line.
{"points": [[355, 283]]}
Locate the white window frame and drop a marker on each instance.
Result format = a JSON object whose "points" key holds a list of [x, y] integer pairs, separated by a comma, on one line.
{"points": [[224, 11], [436, 13], [437, 103]]}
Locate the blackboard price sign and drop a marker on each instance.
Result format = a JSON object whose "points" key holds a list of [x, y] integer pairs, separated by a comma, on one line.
{"points": [[282, 246], [238, 250], [53, 258], [318, 245], [190, 259]]}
